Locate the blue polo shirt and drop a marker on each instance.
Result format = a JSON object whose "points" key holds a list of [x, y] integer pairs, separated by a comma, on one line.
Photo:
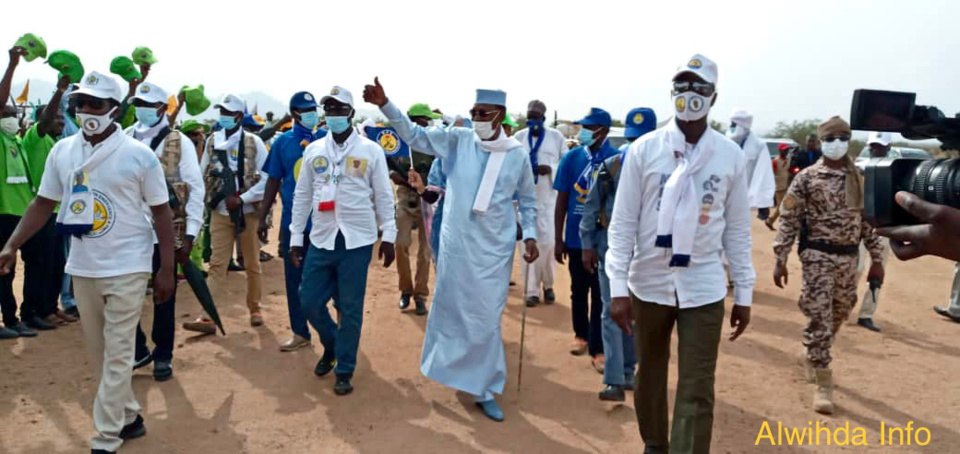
{"points": [[573, 178], [283, 163]]}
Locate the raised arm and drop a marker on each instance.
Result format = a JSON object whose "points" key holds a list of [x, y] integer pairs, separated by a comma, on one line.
{"points": [[50, 112], [433, 141], [15, 53]]}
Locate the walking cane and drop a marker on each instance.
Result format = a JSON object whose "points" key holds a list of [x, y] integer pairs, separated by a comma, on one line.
{"points": [[523, 330]]}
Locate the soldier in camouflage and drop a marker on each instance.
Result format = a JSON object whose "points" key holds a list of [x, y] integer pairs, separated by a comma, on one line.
{"points": [[823, 207]]}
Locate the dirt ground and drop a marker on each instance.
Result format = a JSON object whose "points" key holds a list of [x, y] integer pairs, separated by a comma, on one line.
{"points": [[239, 394]]}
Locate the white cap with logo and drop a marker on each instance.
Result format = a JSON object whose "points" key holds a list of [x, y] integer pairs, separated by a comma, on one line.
{"points": [[882, 138], [702, 66], [150, 93], [340, 94], [99, 86], [231, 103]]}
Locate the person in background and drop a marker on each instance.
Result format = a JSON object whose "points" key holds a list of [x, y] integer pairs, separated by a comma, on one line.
{"points": [[952, 309], [781, 178], [197, 132], [681, 203], [639, 121], [283, 162], [575, 177], [879, 145], [759, 166], [546, 146], [509, 124], [824, 207], [806, 157]]}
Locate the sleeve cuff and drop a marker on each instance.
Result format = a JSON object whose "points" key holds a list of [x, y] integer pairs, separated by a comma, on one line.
{"points": [[295, 239], [586, 243], [619, 288], [743, 296], [389, 236], [530, 234], [390, 110], [193, 227]]}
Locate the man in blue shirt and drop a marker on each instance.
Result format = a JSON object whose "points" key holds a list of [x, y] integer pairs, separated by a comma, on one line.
{"points": [[575, 177], [283, 166]]}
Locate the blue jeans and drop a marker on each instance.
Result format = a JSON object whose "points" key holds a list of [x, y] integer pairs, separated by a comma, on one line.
{"points": [[340, 274], [621, 356], [293, 276], [66, 292]]}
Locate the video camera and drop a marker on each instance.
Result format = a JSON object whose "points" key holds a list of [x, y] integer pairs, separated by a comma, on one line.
{"points": [[934, 180]]}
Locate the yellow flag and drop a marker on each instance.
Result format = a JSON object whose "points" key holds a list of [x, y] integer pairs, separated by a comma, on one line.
{"points": [[171, 105], [22, 99]]}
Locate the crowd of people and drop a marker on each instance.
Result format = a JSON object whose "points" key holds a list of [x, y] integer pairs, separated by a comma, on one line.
{"points": [[654, 233]]}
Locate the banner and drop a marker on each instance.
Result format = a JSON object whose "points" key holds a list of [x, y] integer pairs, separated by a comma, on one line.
{"points": [[389, 140]]}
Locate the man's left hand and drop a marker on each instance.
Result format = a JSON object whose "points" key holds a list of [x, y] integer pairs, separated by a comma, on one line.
{"points": [[533, 253], [183, 254], [739, 319], [234, 203], [163, 286], [876, 272], [388, 253], [544, 170]]}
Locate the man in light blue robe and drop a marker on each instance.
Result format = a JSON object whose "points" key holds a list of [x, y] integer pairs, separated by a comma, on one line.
{"points": [[485, 170]]}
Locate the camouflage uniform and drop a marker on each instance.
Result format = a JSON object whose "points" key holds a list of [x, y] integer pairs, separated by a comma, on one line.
{"points": [[830, 232]]}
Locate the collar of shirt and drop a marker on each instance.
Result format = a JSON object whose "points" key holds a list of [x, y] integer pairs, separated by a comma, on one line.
{"points": [[90, 148], [145, 133]]}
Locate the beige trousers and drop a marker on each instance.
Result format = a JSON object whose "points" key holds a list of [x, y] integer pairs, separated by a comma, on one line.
{"points": [[222, 238], [406, 219], [109, 313]]}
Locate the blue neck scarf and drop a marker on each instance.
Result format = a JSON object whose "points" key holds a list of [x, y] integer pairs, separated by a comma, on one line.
{"points": [[535, 147], [301, 134]]}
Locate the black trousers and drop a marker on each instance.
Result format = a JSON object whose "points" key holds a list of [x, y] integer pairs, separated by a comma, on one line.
{"points": [[587, 324], [32, 255], [163, 322], [54, 261]]}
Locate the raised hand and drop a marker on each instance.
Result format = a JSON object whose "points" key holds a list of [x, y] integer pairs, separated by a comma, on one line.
{"points": [[374, 94]]}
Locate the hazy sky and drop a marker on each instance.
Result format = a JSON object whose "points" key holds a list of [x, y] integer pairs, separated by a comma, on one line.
{"points": [[783, 60]]}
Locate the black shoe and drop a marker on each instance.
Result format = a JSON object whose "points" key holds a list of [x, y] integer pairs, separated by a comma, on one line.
{"points": [[7, 333], [23, 330], [613, 394], [265, 257], [654, 450], [324, 366], [513, 284], [142, 361], [868, 324], [162, 370], [234, 267], [343, 387], [136, 429], [549, 297], [421, 306], [532, 301], [73, 311], [101, 451], [946, 313], [39, 323], [404, 302]]}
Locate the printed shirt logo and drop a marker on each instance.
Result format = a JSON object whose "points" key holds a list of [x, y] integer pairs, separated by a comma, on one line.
{"points": [[78, 206], [308, 97], [389, 142], [320, 164], [104, 215], [356, 167]]}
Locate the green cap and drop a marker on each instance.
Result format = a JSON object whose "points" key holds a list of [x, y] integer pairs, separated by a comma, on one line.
{"points": [[143, 55], [192, 125], [508, 120], [67, 63], [124, 67], [34, 45], [422, 110], [195, 100]]}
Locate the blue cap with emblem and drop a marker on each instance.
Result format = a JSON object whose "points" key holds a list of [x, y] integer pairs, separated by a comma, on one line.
{"points": [[596, 117], [494, 97], [640, 121], [303, 100]]}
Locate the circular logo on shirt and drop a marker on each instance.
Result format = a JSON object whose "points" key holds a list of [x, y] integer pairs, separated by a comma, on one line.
{"points": [[638, 118], [296, 169], [320, 164], [104, 215], [681, 104], [233, 154], [695, 64], [388, 141], [78, 206]]}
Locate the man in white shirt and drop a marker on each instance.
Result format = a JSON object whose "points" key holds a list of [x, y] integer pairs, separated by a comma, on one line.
{"points": [[344, 188], [233, 216], [681, 203], [762, 187], [105, 181], [178, 159], [546, 146]]}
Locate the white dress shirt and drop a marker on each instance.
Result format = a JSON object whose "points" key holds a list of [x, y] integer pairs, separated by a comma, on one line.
{"points": [[252, 194], [188, 171], [634, 264], [553, 148], [363, 195]]}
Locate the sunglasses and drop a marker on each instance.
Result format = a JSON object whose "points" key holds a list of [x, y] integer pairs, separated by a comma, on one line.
{"points": [[93, 103], [830, 139], [338, 110], [480, 113], [701, 88]]}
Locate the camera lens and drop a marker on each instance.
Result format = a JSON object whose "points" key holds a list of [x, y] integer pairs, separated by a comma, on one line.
{"points": [[938, 181]]}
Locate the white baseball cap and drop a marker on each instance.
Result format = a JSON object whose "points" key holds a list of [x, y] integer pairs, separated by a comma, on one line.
{"points": [[882, 138], [231, 103], [340, 94], [150, 93], [99, 86], [702, 66], [742, 118]]}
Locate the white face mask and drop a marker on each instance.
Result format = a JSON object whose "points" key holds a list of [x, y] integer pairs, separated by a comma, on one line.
{"points": [[95, 124], [835, 150], [484, 129], [737, 133], [690, 106], [9, 125]]}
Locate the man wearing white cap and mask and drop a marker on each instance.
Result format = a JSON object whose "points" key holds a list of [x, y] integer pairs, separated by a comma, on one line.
{"points": [[879, 145], [681, 202], [344, 188], [244, 154], [486, 170], [759, 165], [181, 170], [105, 180], [546, 146]]}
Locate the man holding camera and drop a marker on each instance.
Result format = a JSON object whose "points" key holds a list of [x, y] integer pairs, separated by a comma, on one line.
{"points": [[824, 207]]}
